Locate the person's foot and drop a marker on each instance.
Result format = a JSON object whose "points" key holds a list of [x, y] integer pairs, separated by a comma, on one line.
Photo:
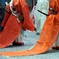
{"points": [[56, 47], [38, 33], [18, 43]]}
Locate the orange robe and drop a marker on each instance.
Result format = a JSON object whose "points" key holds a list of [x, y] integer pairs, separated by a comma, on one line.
{"points": [[11, 26]]}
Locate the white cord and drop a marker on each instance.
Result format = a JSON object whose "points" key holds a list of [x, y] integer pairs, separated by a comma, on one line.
{"points": [[13, 12]]}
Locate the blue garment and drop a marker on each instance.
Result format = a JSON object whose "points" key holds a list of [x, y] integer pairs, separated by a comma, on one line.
{"points": [[2, 11]]}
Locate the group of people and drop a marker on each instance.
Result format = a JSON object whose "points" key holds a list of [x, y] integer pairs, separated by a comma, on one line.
{"points": [[39, 19]]}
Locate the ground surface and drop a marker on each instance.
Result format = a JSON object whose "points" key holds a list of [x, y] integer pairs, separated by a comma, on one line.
{"points": [[30, 39]]}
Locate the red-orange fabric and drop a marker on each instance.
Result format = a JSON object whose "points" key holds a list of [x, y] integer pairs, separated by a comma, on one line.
{"points": [[6, 16], [11, 26], [47, 37]]}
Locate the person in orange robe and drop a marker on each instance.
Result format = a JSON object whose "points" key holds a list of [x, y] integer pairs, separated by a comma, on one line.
{"points": [[19, 10], [54, 11]]}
